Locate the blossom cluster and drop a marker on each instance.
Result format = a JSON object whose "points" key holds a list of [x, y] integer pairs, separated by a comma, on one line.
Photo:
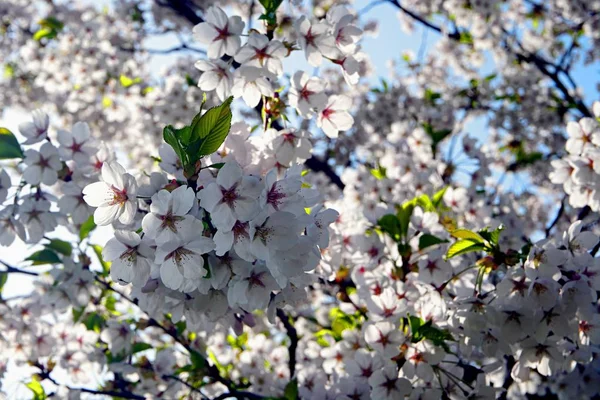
{"points": [[341, 240]]}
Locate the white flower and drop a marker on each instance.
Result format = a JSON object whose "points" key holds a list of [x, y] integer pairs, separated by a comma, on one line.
{"points": [[278, 231], [222, 34], [289, 145], [216, 76], [118, 335], [115, 195], [544, 355], [168, 214], [130, 258], [5, 184], [384, 338], [576, 240], [315, 40], [77, 145], [259, 51], [37, 218], [10, 227], [335, 116], [386, 385], [346, 35], [318, 230], [251, 288], [35, 131], [282, 195], [580, 135], [251, 83], [42, 166], [233, 197], [306, 94], [420, 358], [72, 203], [181, 262]]}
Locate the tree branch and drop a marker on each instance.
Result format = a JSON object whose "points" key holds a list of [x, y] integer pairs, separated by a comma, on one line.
{"points": [[11, 269], [293, 335]]}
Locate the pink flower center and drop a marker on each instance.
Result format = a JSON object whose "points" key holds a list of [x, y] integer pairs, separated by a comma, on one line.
{"points": [[119, 196]]}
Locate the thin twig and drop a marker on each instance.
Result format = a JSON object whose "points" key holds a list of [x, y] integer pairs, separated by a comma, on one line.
{"points": [[293, 335]]}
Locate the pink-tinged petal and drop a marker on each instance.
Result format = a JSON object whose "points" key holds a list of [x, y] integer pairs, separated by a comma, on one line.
{"points": [[183, 200], [113, 250], [222, 217], [229, 175], [216, 49], [246, 209], [210, 196], [112, 173], [170, 275], [81, 132], [97, 194], [329, 128], [49, 176], [161, 202], [33, 175], [209, 81], [223, 241], [106, 215], [204, 33], [251, 95], [342, 120], [129, 211], [217, 17], [129, 238], [64, 138]]}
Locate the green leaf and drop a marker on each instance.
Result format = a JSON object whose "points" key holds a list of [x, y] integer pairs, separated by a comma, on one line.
{"points": [[212, 128], [390, 224], [198, 361], [126, 81], [438, 197], [173, 137], [404, 213], [495, 237], [431, 96], [379, 173], [466, 38], [463, 247], [60, 246], [427, 240], [425, 203], [291, 390], [94, 322], [467, 234], [38, 390], [3, 279], [216, 165], [140, 346], [105, 264], [44, 33], [9, 146], [77, 313], [45, 256], [86, 228], [339, 325]]}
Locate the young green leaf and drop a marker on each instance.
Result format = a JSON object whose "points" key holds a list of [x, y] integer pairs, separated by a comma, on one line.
{"points": [[427, 240], [87, 227], [462, 247], [212, 128], [9, 146], [390, 224], [46, 256], [467, 234], [60, 246]]}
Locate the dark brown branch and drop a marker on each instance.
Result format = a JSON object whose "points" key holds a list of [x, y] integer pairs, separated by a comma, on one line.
{"points": [[453, 35], [11, 269], [184, 8], [559, 214], [293, 335]]}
